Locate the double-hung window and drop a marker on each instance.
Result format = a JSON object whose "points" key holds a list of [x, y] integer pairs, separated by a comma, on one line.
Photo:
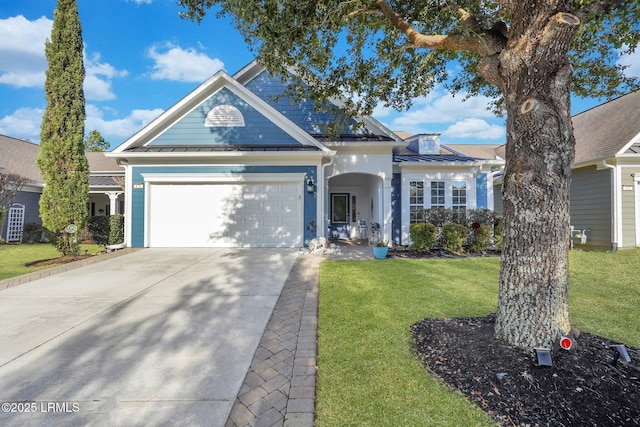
{"points": [[416, 201], [437, 194]]}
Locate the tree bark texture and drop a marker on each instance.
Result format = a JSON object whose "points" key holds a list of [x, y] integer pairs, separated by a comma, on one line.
{"points": [[529, 63], [534, 73]]}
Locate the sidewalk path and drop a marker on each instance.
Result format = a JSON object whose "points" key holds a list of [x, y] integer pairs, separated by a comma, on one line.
{"points": [[279, 389]]}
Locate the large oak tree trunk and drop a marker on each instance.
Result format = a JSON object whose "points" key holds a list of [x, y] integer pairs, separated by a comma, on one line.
{"points": [[535, 72]]}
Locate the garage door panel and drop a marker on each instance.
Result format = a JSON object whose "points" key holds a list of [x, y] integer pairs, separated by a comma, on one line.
{"points": [[225, 215], [289, 206]]}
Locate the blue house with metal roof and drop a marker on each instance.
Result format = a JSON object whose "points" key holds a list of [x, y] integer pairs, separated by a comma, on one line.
{"points": [[234, 165]]}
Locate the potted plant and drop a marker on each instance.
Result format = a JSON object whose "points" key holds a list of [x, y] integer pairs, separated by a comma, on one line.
{"points": [[380, 249]]}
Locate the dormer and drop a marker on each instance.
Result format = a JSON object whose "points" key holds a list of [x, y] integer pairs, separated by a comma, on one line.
{"points": [[424, 143]]}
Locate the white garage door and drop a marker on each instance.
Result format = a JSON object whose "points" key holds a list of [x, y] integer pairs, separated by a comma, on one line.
{"points": [[225, 214]]}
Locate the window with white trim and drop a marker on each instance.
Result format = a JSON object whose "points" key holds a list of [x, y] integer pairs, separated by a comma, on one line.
{"points": [[459, 195], [416, 201], [437, 194]]}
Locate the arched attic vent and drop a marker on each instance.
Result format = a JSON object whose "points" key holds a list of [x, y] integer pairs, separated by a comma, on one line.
{"points": [[224, 116]]}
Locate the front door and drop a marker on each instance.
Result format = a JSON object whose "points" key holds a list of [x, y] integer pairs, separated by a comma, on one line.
{"points": [[340, 216]]}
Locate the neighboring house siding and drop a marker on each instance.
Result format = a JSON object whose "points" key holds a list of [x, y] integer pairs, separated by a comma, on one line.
{"points": [[628, 207], [138, 198], [591, 202], [31, 202], [191, 129], [396, 208]]}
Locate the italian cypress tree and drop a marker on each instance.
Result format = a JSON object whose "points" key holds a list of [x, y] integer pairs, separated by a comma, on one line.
{"points": [[61, 159]]}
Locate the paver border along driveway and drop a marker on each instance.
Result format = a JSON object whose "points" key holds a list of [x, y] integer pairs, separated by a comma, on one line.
{"points": [[155, 337]]}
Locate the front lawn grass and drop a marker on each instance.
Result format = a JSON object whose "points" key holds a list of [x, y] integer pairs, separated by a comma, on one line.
{"points": [[16, 260], [368, 372]]}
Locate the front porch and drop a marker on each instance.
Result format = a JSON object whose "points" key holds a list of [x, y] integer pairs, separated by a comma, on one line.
{"points": [[358, 205]]}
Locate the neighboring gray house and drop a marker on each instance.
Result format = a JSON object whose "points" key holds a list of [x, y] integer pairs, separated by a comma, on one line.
{"points": [[19, 156], [605, 188], [605, 191]]}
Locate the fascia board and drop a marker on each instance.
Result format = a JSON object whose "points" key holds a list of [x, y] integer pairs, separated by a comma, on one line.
{"points": [[479, 162], [226, 156], [366, 144], [633, 140], [433, 165], [248, 72]]}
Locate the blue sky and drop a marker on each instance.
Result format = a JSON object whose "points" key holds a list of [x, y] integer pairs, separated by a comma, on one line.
{"points": [[141, 58]]}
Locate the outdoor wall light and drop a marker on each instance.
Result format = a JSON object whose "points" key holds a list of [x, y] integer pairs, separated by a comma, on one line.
{"points": [[544, 356], [620, 351], [310, 185]]}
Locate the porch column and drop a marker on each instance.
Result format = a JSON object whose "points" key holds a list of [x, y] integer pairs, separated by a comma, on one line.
{"points": [[386, 210], [113, 202]]}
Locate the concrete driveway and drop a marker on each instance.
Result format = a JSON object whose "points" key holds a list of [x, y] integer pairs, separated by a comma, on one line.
{"points": [[155, 337]]}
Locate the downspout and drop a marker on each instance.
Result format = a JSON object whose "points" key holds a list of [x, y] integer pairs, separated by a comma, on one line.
{"points": [[616, 222], [128, 196], [325, 198]]}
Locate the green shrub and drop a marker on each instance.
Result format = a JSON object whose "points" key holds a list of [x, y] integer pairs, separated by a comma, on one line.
{"points": [[99, 229], [497, 235], [482, 216], [65, 244], [480, 237], [453, 236], [116, 235], [32, 232], [437, 216], [423, 235]]}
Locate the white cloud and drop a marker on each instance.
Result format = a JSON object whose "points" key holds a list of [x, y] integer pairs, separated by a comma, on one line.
{"points": [[23, 123], [22, 59], [141, 1], [633, 62], [119, 128], [185, 65], [97, 82], [25, 79], [381, 111], [23, 63], [472, 127], [452, 117], [444, 108]]}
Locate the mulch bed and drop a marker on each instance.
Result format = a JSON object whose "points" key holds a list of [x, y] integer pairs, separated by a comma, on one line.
{"points": [[403, 252], [584, 387], [57, 261]]}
